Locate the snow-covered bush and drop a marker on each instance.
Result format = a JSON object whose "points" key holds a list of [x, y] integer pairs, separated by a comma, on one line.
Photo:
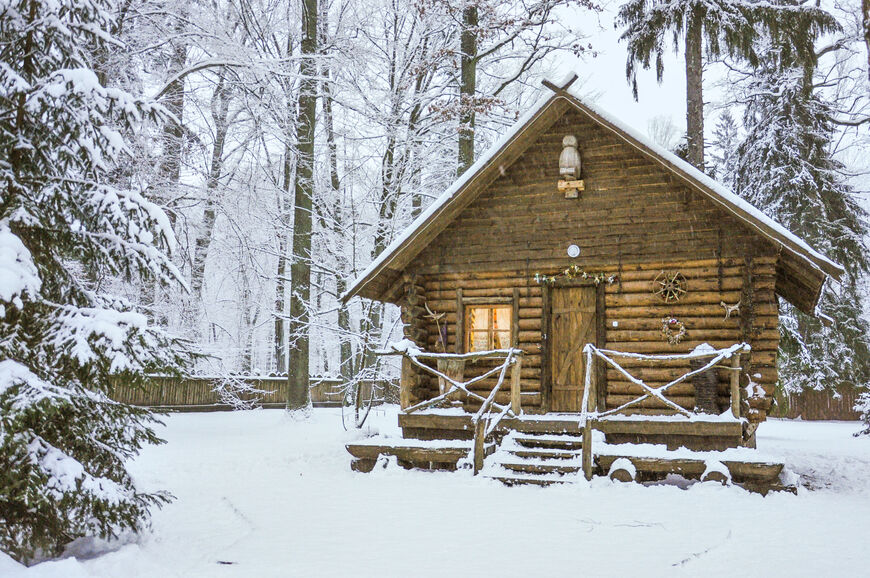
{"points": [[67, 229]]}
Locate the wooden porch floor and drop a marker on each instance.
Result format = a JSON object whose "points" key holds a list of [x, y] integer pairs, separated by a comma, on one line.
{"points": [[699, 433]]}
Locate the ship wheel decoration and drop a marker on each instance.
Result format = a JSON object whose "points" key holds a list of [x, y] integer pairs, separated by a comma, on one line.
{"points": [[670, 286]]}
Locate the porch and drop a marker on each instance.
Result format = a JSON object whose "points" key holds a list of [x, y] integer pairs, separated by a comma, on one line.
{"points": [[625, 443]]}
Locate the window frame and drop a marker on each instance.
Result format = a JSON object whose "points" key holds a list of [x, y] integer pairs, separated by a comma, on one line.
{"points": [[490, 330]]}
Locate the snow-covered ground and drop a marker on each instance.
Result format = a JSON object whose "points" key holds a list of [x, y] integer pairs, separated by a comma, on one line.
{"points": [[260, 494]]}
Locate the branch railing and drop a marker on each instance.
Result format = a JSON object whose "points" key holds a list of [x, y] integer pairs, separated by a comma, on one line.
{"points": [[490, 414], [590, 413]]}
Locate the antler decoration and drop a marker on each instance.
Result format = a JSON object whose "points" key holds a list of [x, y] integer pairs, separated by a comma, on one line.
{"points": [[729, 309], [437, 317]]}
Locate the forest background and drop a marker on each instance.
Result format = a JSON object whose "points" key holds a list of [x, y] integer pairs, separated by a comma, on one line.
{"points": [[311, 133]]}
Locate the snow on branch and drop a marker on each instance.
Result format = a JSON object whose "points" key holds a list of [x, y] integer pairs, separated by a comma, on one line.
{"points": [[67, 475], [18, 274], [26, 387], [120, 340]]}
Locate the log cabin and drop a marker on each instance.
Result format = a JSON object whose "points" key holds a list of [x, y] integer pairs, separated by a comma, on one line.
{"points": [[574, 229]]}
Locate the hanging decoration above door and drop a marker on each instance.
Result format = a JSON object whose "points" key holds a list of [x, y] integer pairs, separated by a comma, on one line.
{"points": [[574, 272]]}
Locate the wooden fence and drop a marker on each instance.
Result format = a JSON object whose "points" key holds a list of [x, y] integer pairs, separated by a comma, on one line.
{"points": [[819, 405], [201, 393], [198, 394]]}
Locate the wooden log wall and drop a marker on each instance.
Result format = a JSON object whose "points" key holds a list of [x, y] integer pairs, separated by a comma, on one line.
{"points": [[446, 293], [414, 384], [631, 211], [633, 321]]}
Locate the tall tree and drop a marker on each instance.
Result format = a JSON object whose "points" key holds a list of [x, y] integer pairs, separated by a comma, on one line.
{"points": [[220, 116], [272, 38], [300, 269], [500, 42], [729, 27], [865, 20], [786, 168], [467, 85], [174, 59], [63, 442]]}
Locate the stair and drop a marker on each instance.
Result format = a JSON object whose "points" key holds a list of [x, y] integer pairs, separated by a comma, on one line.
{"points": [[536, 459]]}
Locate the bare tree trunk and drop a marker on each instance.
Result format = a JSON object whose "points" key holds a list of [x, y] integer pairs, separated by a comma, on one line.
{"points": [[247, 329], [220, 113], [284, 223], [345, 349], [422, 79], [281, 272], [298, 396], [467, 87], [345, 364], [173, 100], [172, 141], [865, 11], [694, 92], [391, 190]]}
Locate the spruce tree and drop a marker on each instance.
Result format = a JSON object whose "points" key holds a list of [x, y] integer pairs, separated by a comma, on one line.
{"points": [[727, 27], [66, 232], [726, 138], [786, 168]]}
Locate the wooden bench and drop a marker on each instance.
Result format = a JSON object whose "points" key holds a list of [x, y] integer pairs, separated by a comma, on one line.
{"points": [[755, 476], [411, 453]]}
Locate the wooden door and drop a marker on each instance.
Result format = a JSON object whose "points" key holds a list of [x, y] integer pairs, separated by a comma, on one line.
{"points": [[572, 316]]}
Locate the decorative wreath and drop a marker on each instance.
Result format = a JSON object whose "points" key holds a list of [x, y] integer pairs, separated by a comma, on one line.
{"points": [[574, 272], [670, 286], [673, 330]]}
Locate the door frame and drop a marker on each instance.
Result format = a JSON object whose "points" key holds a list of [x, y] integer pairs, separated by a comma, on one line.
{"points": [[546, 336]]}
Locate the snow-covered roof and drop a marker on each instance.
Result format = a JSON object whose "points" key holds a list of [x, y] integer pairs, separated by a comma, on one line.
{"points": [[723, 197]]}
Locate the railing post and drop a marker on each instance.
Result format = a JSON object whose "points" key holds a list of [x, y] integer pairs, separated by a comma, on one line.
{"points": [[735, 384], [592, 400], [589, 389], [479, 435], [407, 381], [587, 448], [516, 373]]}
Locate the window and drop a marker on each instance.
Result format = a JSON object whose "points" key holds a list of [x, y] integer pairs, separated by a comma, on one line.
{"points": [[487, 327]]}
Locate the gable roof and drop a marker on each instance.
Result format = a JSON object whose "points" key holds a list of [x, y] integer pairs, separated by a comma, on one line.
{"points": [[803, 270]]}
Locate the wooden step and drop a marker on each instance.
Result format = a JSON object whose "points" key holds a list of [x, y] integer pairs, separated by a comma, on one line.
{"points": [[540, 468], [419, 422], [549, 442], [510, 480], [552, 453]]}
